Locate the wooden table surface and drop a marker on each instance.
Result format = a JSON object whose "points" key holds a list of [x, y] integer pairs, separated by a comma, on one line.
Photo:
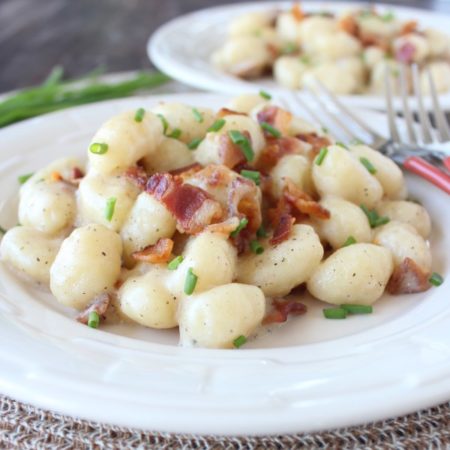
{"points": [[80, 35]]}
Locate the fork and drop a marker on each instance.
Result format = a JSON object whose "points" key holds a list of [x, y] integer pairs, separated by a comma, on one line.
{"points": [[432, 165]]}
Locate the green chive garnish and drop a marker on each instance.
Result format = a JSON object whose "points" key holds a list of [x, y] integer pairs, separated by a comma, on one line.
{"points": [[290, 47], [242, 224], [356, 142], [217, 125], [173, 265], [109, 210], [190, 282], [243, 143], [388, 17], [98, 148], [239, 341], [194, 143], [3, 230], [368, 165], [93, 319], [253, 175], [357, 309], [436, 279], [350, 241], [305, 59], [24, 178], [261, 232], [341, 144], [140, 113], [175, 134], [256, 247], [335, 313], [270, 129], [265, 95], [164, 122], [197, 115], [325, 130], [374, 219], [321, 156]]}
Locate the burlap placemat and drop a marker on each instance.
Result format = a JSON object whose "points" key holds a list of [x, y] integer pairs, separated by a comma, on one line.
{"points": [[25, 427]]}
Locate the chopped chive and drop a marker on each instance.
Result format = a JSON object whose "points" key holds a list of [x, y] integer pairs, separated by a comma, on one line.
{"points": [[175, 134], [388, 17], [341, 144], [173, 265], [305, 59], [197, 115], [109, 210], [290, 47], [270, 129], [22, 179], [325, 130], [242, 224], [4, 230], [321, 156], [368, 165], [93, 319], [265, 95], [98, 148], [253, 175], [356, 142], [139, 116], [239, 341], [217, 125], [436, 279], [374, 219], [164, 122], [256, 247], [350, 241], [194, 143], [190, 282], [357, 309], [335, 313], [243, 143], [261, 232]]}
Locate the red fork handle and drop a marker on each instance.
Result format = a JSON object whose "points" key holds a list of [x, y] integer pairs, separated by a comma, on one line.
{"points": [[429, 172]]}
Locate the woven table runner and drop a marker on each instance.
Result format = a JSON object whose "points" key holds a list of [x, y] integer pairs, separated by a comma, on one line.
{"points": [[26, 427]]}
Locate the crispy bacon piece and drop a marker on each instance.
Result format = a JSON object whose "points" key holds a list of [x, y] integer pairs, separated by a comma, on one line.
{"points": [[77, 173], [137, 175], [226, 227], [368, 40], [157, 253], [282, 309], [229, 153], [409, 27], [405, 53], [186, 172], [316, 141], [408, 278], [277, 117], [228, 112], [192, 207], [283, 229], [349, 25], [56, 176], [276, 148], [99, 305], [297, 12]]}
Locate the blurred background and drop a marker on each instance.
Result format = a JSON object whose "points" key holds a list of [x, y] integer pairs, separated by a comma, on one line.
{"points": [[81, 35]]}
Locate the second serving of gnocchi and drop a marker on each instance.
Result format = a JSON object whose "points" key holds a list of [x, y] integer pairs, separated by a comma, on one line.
{"points": [[209, 220]]}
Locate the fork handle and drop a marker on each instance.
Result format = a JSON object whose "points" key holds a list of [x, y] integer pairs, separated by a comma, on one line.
{"points": [[429, 172], [447, 162]]}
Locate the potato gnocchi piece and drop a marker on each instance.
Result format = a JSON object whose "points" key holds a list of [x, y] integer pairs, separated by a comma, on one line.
{"points": [[246, 102], [357, 274], [341, 174], [251, 23], [94, 192], [387, 172], [288, 27], [313, 27], [126, 140], [62, 166], [215, 318], [334, 46], [289, 71], [87, 264], [407, 212], [438, 42], [418, 45], [346, 220], [404, 242], [30, 251], [286, 265], [148, 221]]}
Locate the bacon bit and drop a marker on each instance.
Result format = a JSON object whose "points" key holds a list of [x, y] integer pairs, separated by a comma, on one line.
{"points": [[349, 25], [99, 305], [277, 117], [192, 207], [186, 172], [283, 229], [405, 53], [273, 50], [56, 176], [276, 148], [369, 40], [230, 154], [138, 176], [226, 227], [77, 173], [297, 12], [316, 141], [157, 253], [408, 278], [409, 27], [282, 309], [228, 112]]}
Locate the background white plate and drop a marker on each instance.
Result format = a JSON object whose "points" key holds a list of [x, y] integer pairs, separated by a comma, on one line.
{"points": [[182, 47], [310, 374]]}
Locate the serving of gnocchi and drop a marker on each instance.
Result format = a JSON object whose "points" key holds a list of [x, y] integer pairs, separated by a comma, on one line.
{"points": [[209, 220], [348, 51]]}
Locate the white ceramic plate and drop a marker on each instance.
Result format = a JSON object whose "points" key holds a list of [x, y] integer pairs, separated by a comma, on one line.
{"points": [[309, 374], [182, 47]]}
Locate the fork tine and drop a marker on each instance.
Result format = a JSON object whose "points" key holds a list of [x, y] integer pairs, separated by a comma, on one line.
{"points": [[406, 111], [441, 122], [390, 110], [424, 119]]}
